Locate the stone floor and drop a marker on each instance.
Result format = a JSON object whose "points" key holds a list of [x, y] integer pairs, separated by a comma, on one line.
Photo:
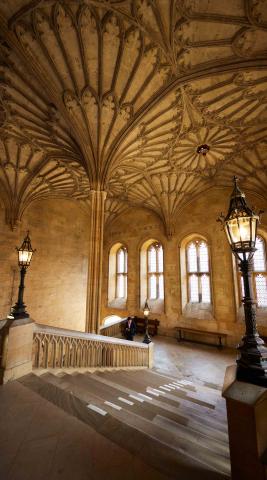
{"points": [[40, 441], [193, 361]]}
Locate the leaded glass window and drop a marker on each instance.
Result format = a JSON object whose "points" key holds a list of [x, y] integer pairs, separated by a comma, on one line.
{"points": [[155, 272], [198, 272], [121, 273]]}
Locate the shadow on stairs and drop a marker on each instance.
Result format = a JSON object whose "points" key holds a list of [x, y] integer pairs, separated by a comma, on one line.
{"points": [[178, 428], [175, 427]]}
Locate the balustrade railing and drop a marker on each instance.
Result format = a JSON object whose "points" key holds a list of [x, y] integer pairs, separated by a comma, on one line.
{"points": [[60, 348], [115, 329]]}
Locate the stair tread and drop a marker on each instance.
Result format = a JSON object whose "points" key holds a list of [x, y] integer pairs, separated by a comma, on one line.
{"points": [[181, 408], [189, 385], [191, 396], [173, 461], [193, 410], [197, 391], [149, 408], [181, 433], [172, 397]]}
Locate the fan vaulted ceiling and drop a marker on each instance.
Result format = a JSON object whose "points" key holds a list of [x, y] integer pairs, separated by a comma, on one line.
{"points": [[118, 95]]}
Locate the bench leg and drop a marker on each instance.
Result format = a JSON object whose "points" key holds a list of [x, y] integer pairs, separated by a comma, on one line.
{"points": [[220, 342]]}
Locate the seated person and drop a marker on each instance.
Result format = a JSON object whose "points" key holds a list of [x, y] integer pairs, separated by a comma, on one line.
{"points": [[130, 328]]}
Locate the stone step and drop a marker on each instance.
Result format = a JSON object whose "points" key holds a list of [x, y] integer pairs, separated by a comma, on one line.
{"points": [[172, 404], [148, 408], [182, 439], [196, 390], [126, 380], [89, 390], [186, 384], [175, 462], [171, 395]]}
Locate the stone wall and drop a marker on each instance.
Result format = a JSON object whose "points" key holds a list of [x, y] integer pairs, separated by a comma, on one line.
{"points": [[138, 225], [55, 292]]}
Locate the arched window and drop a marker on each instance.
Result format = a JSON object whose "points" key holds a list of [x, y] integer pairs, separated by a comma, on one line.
{"points": [[152, 276], [155, 272], [259, 274], [198, 272], [117, 276], [121, 273]]}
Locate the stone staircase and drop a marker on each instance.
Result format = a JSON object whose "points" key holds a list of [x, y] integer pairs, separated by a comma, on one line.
{"points": [[178, 428]]}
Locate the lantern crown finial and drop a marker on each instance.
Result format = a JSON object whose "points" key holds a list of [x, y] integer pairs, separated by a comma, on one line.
{"points": [[237, 193]]}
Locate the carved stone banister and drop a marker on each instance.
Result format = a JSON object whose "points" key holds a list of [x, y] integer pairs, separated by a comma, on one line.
{"points": [[60, 348], [113, 329]]}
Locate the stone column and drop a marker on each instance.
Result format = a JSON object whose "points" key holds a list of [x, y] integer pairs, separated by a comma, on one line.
{"points": [[133, 301], [172, 278], [95, 260]]}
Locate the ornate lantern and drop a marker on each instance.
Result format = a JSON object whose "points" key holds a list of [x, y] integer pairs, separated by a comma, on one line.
{"points": [[240, 225]]}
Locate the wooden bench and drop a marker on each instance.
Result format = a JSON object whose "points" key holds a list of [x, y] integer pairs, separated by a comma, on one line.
{"points": [[204, 333], [141, 326]]}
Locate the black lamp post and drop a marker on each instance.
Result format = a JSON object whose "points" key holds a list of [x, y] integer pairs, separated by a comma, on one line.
{"points": [[24, 259], [240, 225], [146, 311]]}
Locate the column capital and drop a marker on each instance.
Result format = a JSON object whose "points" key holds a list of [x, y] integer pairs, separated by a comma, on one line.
{"points": [[99, 193]]}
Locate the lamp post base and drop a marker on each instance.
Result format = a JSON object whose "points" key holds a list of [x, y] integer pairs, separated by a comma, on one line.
{"points": [[147, 338], [249, 375], [252, 361], [19, 311]]}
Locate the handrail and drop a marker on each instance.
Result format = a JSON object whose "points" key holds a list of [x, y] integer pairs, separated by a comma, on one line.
{"points": [[61, 348], [113, 329]]}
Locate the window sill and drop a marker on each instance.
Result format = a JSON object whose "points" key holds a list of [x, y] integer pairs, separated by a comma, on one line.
{"points": [[120, 303], [201, 311], [156, 306]]}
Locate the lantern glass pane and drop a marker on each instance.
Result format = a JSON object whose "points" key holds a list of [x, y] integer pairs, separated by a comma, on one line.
{"points": [[233, 231], [24, 257], [239, 229], [254, 222], [244, 228], [227, 234]]}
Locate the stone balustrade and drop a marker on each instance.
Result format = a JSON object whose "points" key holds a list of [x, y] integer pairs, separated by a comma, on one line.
{"points": [[113, 329], [60, 348]]}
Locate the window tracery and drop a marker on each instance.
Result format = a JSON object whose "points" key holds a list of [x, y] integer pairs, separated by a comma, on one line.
{"points": [[155, 272], [121, 273], [198, 272], [259, 274]]}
